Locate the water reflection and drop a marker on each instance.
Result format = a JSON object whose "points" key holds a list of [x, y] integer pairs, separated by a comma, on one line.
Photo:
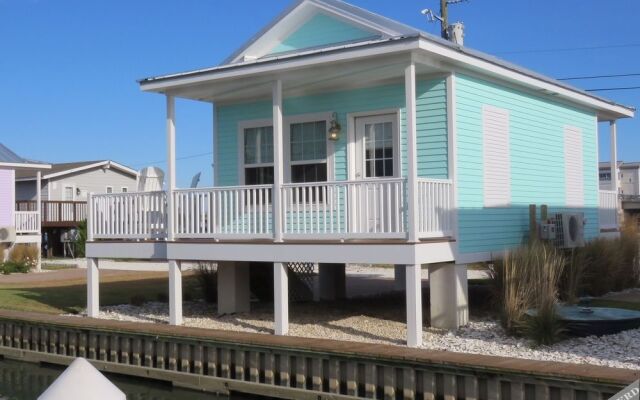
{"points": [[25, 381]]}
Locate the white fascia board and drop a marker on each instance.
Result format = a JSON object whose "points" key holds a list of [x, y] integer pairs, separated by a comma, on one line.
{"points": [[111, 164], [24, 166], [523, 79], [282, 64]]}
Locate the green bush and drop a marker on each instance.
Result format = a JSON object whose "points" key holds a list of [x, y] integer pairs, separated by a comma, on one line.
{"points": [[207, 275], [82, 239], [11, 267]]}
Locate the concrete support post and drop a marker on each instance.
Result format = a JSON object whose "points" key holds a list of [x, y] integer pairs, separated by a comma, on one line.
{"points": [[449, 296], [93, 288], [278, 160], [171, 163], [399, 277], [175, 293], [412, 152], [333, 281], [281, 298], [234, 293], [414, 304]]}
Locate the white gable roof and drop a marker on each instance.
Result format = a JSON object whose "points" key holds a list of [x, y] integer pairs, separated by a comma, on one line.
{"points": [[302, 11]]}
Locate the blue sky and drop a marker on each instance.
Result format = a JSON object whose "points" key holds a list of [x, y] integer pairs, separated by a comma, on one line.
{"points": [[68, 68]]}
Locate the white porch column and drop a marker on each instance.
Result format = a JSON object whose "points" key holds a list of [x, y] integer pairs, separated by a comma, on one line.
{"points": [[171, 163], [234, 293], [39, 210], [281, 298], [278, 168], [449, 296], [93, 288], [414, 304], [614, 156], [175, 293], [412, 152]]}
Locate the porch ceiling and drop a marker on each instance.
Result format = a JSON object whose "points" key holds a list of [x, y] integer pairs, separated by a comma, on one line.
{"points": [[328, 77]]}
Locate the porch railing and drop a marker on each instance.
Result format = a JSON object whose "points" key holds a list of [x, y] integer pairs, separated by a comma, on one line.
{"points": [[27, 222], [129, 216], [56, 212], [435, 207], [362, 209], [241, 211], [608, 211]]}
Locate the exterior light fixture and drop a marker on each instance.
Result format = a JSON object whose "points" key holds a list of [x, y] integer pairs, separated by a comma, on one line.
{"points": [[335, 129]]}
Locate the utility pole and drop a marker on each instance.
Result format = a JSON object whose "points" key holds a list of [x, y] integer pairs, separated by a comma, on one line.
{"points": [[444, 18]]}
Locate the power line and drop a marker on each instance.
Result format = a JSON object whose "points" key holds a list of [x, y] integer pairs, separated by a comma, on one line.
{"points": [[177, 158], [613, 88], [561, 49], [575, 78]]}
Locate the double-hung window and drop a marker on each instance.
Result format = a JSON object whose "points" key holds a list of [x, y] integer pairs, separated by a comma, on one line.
{"points": [[258, 155], [308, 141]]}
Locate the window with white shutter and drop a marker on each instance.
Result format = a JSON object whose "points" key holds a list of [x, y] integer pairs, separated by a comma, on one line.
{"points": [[496, 157], [573, 166]]}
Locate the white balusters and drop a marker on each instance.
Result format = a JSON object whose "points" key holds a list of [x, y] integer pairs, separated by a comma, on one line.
{"points": [[435, 207], [223, 212], [129, 216], [27, 222]]}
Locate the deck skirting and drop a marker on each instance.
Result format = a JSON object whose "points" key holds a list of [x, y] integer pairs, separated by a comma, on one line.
{"points": [[294, 368]]}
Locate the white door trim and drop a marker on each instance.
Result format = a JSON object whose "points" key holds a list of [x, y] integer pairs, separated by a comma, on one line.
{"points": [[352, 145]]}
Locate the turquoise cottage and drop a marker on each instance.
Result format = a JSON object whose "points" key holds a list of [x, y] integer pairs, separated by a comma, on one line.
{"points": [[342, 136]]}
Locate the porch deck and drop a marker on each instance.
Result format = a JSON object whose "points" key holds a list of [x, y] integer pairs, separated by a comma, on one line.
{"points": [[324, 211], [56, 214]]}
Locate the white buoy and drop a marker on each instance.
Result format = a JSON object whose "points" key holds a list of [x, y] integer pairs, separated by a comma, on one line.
{"points": [[82, 381]]}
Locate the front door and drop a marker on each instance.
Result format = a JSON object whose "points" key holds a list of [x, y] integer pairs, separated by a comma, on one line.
{"points": [[376, 158]]}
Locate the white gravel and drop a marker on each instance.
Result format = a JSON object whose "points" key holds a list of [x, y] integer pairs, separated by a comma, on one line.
{"points": [[621, 350]]}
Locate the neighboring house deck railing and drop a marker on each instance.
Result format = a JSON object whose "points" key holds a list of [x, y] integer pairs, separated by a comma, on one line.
{"points": [[373, 209], [608, 212], [27, 222], [57, 213]]}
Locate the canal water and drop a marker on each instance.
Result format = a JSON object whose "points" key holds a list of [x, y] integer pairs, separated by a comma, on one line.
{"points": [[26, 381]]}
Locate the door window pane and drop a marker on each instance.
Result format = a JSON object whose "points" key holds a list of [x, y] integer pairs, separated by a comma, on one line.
{"points": [[378, 150]]}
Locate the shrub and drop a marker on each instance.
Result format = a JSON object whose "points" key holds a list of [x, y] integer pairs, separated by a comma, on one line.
{"points": [[527, 278], [11, 267], [602, 264], [572, 281], [82, 239], [137, 300], [629, 272], [207, 275], [25, 254]]}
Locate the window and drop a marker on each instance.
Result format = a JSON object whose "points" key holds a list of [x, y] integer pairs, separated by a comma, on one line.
{"points": [[573, 166], [67, 194], [605, 176], [308, 145], [109, 189], [496, 157], [258, 155], [125, 189], [378, 150]]}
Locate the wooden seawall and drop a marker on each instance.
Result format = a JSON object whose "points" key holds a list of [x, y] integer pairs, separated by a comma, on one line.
{"points": [[296, 368]]}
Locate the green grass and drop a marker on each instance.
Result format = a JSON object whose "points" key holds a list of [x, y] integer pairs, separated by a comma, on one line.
{"points": [[56, 267], [72, 298]]}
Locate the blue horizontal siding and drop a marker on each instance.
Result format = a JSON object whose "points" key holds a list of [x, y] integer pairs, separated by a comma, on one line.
{"points": [[536, 136], [431, 124], [319, 31]]}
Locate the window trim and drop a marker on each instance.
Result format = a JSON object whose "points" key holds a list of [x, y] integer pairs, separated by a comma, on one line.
{"points": [[124, 189], [73, 191], [300, 119], [106, 189], [242, 126]]}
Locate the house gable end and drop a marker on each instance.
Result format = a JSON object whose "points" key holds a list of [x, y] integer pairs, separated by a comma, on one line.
{"points": [[312, 24], [323, 30]]}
